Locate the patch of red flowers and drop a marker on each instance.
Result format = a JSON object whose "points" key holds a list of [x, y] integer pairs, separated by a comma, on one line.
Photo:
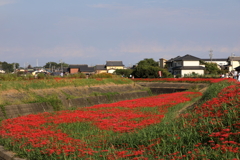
{"points": [[222, 114], [32, 132]]}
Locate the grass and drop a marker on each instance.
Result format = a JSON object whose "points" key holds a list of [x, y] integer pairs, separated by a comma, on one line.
{"points": [[26, 85], [24, 90]]}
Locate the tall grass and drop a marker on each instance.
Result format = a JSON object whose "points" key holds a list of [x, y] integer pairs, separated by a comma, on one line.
{"points": [[58, 82]]}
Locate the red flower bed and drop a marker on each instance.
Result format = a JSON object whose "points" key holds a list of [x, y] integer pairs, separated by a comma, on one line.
{"points": [[39, 133]]}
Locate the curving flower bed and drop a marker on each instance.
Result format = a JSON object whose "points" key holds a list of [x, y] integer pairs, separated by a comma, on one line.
{"points": [[43, 133]]}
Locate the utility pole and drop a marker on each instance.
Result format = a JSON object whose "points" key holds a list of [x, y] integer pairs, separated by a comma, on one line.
{"points": [[211, 54], [232, 55]]}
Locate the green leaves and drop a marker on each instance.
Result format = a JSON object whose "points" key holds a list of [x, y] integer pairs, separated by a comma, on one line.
{"points": [[148, 68]]}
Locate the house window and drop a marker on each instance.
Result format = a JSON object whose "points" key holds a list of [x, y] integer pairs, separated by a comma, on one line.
{"points": [[179, 63]]}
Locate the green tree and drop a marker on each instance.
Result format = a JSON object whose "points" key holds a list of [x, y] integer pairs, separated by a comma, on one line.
{"points": [[29, 66], [125, 72], [51, 64], [211, 68], [148, 62], [148, 68], [7, 67], [16, 65], [55, 65]]}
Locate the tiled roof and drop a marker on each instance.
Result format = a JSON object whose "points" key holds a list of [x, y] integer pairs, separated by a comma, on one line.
{"points": [[77, 65], [82, 67], [114, 63], [237, 68], [100, 67], [172, 59], [88, 69], [233, 59], [187, 57]]}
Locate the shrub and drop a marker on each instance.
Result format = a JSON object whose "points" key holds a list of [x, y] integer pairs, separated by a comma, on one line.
{"points": [[77, 75], [41, 75], [101, 75]]}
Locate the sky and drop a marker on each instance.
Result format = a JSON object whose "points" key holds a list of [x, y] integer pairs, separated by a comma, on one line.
{"points": [[95, 31]]}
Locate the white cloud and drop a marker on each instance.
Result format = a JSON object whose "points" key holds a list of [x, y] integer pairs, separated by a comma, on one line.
{"points": [[5, 2], [175, 49], [110, 6], [69, 51], [56, 52]]}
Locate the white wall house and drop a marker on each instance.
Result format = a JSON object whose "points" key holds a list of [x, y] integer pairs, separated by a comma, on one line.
{"points": [[233, 62], [185, 65], [222, 63], [219, 61]]}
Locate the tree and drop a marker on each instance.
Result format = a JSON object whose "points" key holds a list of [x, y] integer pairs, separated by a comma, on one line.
{"points": [[211, 68], [148, 62], [56, 65], [29, 66], [7, 67], [148, 68], [16, 65], [50, 64], [125, 72]]}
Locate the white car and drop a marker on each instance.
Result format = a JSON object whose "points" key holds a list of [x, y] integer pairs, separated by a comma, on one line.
{"points": [[2, 71]]}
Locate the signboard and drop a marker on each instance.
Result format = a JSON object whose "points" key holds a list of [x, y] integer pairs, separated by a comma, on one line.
{"points": [[160, 73]]}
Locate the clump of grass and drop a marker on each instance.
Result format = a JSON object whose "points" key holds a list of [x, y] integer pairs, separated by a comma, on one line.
{"points": [[3, 111], [214, 89], [102, 75], [76, 75]]}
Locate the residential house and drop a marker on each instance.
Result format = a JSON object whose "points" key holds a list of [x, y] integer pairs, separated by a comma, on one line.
{"points": [[111, 66], [100, 69], [185, 65], [221, 62], [233, 62], [83, 68], [162, 62], [170, 64]]}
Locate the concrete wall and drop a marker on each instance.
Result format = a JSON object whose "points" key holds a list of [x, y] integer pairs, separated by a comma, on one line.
{"points": [[12, 111], [123, 92]]}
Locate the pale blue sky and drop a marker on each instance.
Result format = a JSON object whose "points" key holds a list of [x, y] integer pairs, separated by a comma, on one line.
{"points": [[95, 31]]}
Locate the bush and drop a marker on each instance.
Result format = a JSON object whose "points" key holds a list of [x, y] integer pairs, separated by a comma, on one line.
{"points": [[77, 75], [41, 75], [101, 75], [124, 72]]}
